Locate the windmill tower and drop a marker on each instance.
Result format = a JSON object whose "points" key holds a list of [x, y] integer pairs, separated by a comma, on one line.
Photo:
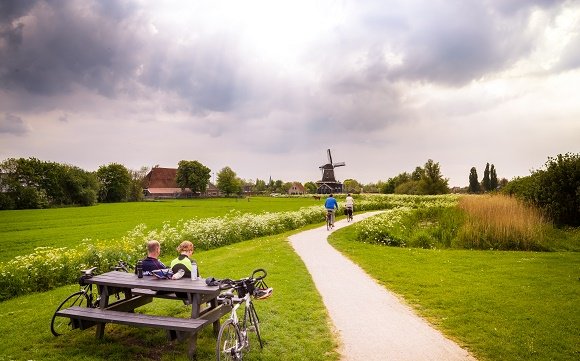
{"points": [[329, 184]]}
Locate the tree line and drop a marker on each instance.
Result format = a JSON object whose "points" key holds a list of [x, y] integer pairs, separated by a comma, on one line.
{"points": [[32, 183]]}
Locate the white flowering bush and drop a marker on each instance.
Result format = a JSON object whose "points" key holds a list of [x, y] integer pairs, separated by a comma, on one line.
{"points": [[48, 267], [405, 225]]}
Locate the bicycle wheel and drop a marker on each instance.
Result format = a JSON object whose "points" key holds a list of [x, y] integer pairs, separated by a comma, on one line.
{"points": [[328, 221], [254, 321], [60, 325], [229, 342]]}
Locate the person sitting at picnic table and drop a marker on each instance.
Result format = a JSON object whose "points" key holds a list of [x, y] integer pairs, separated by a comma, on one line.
{"points": [[152, 262], [183, 261]]}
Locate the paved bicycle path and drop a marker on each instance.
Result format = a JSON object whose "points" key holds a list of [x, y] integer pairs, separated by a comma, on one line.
{"points": [[373, 324]]}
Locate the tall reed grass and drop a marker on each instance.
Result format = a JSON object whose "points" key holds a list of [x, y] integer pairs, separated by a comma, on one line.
{"points": [[501, 222]]}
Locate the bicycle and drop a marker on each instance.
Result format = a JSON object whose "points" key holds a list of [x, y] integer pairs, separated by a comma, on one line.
{"points": [[84, 298], [348, 211], [329, 219], [233, 337]]}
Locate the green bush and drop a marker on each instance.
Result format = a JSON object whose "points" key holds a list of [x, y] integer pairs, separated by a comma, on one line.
{"points": [[555, 190]]}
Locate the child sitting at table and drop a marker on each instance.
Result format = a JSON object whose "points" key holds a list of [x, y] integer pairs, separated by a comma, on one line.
{"points": [[183, 261]]}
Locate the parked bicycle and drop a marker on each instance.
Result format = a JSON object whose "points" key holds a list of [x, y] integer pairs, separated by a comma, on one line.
{"points": [[233, 339], [84, 298]]}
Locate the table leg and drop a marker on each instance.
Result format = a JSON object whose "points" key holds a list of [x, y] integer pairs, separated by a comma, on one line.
{"points": [[103, 303], [195, 299], [192, 350], [216, 324]]}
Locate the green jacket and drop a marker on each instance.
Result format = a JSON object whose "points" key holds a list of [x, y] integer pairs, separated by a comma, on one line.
{"points": [[183, 262]]}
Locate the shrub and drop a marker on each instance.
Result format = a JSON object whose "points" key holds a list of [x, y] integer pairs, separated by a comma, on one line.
{"points": [[556, 189]]}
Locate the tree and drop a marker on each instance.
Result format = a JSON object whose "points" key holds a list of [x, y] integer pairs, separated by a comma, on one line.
{"points": [[115, 183], [136, 188], [193, 175], [486, 181], [432, 182], [556, 189], [286, 187], [277, 186], [493, 183], [409, 187], [473, 181], [417, 174], [227, 182], [32, 183], [310, 187], [352, 186], [260, 186], [392, 183]]}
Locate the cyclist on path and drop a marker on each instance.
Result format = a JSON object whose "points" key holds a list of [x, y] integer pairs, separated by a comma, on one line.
{"points": [[349, 205], [331, 205]]}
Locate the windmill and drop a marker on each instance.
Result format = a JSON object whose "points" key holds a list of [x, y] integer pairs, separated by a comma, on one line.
{"points": [[329, 184]]}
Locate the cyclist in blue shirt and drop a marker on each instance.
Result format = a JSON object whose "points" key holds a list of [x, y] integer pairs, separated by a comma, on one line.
{"points": [[331, 205]]}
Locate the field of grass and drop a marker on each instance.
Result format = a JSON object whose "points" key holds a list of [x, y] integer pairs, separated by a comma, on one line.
{"points": [[294, 320], [23, 230], [500, 305]]}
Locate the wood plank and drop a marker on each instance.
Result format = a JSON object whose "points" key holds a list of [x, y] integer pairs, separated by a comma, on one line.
{"points": [[133, 319]]}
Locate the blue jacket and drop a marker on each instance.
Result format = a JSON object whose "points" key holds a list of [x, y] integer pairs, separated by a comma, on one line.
{"points": [[330, 203]]}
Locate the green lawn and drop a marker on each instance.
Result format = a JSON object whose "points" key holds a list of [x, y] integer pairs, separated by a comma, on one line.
{"points": [[23, 230], [294, 320], [500, 305]]}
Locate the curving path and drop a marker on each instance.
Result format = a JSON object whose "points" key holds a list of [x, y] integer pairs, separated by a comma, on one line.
{"points": [[372, 323]]}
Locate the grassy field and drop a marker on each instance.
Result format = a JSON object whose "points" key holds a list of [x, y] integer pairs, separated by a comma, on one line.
{"points": [[294, 320], [23, 230], [500, 305]]}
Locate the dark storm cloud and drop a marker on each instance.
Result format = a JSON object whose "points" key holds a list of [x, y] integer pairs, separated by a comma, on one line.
{"points": [[203, 73], [445, 42], [11, 124], [61, 44], [510, 7], [14, 9], [107, 48]]}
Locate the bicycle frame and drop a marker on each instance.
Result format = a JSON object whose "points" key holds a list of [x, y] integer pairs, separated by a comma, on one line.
{"points": [[243, 328]]}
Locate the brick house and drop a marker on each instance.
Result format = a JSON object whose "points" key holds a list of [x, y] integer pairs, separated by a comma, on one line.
{"points": [[296, 188], [162, 183]]}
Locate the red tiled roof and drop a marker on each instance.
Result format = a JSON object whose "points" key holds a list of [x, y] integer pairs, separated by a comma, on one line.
{"points": [[161, 178]]}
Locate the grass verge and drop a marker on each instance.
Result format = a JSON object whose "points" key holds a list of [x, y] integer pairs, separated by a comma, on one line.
{"points": [[294, 320], [500, 305]]}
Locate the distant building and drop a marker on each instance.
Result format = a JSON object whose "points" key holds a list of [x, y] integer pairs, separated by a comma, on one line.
{"points": [[162, 183], [296, 188], [211, 190]]}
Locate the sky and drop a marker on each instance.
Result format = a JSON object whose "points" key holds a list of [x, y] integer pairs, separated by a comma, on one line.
{"points": [[266, 87]]}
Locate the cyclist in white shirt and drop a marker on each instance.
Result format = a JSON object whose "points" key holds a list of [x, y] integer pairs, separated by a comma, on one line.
{"points": [[349, 205]]}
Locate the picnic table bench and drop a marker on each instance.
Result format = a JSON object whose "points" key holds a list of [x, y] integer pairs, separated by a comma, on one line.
{"points": [[140, 291]]}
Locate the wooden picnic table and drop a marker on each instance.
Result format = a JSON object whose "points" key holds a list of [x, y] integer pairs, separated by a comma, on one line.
{"points": [[140, 291]]}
